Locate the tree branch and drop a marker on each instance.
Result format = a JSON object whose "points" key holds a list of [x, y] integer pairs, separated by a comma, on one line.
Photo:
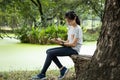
{"points": [[40, 7], [34, 3]]}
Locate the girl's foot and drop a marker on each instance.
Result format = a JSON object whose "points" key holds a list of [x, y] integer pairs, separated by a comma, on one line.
{"points": [[39, 77], [63, 73]]}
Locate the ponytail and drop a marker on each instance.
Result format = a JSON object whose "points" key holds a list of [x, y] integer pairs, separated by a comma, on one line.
{"points": [[77, 20]]}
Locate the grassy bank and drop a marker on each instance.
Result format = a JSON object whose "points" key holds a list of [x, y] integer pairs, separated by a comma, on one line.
{"points": [[26, 75]]}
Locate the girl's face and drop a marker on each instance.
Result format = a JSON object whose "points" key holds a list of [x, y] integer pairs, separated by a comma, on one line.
{"points": [[70, 22]]}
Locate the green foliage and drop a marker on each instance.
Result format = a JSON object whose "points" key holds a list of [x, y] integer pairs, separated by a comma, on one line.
{"points": [[22, 34], [20, 12], [41, 35], [33, 35], [90, 35]]}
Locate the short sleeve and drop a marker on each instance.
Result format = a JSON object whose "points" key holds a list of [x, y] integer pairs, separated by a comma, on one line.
{"points": [[76, 33]]}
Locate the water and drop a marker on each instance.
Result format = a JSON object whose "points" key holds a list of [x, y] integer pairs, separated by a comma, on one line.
{"points": [[17, 56]]}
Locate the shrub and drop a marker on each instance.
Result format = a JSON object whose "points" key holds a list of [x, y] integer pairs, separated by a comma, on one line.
{"points": [[22, 34], [41, 35]]}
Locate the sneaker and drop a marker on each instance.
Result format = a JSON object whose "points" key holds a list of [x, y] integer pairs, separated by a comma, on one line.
{"points": [[39, 77], [63, 73]]}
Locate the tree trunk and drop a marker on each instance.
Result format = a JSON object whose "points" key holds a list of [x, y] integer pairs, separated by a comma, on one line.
{"points": [[38, 4], [80, 61], [105, 63]]}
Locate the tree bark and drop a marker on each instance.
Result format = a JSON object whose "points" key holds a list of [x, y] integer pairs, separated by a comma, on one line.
{"points": [[105, 63], [80, 61]]}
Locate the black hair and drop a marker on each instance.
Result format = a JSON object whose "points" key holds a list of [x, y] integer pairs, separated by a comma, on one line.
{"points": [[72, 15]]}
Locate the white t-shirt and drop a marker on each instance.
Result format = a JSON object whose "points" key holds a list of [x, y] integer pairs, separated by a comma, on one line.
{"points": [[77, 33]]}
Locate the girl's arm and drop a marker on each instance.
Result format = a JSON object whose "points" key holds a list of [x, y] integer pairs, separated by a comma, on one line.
{"points": [[59, 41], [73, 44]]}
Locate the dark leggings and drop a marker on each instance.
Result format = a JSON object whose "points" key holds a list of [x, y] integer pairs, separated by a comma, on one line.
{"points": [[52, 55]]}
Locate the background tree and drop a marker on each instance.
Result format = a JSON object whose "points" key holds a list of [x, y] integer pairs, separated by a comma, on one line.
{"points": [[105, 63], [44, 11]]}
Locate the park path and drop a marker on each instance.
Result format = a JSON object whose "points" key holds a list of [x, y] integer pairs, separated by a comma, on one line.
{"points": [[32, 57]]}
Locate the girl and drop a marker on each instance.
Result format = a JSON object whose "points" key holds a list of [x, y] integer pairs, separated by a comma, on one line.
{"points": [[69, 47]]}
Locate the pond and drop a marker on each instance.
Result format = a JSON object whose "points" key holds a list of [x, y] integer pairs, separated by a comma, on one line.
{"points": [[17, 56]]}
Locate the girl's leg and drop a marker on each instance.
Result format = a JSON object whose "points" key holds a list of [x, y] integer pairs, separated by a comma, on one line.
{"points": [[55, 59], [49, 60], [63, 51], [57, 62], [52, 55], [60, 51], [46, 64]]}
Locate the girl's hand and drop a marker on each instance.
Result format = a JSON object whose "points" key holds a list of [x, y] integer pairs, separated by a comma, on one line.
{"points": [[59, 39], [53, 40], [56, 40]]}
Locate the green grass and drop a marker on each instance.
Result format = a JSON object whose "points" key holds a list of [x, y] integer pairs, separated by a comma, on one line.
{"points": [[26, 75], [19, 56], [90, 43]]}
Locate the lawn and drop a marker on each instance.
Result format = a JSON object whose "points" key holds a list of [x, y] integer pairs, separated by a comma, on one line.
{"points": [[17, 56], [21, 61], [26, 75]]}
